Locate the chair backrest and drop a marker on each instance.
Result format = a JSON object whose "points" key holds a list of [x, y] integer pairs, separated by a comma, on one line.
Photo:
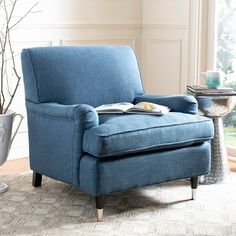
{"points": [[91, 75]]}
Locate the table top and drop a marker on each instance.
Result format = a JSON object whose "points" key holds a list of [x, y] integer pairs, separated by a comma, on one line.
{"points": [[201, 91], [213, 102]]}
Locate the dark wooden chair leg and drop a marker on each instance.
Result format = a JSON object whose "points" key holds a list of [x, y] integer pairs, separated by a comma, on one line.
{"points": [[37, 179], [194, 185], [99, 205]]}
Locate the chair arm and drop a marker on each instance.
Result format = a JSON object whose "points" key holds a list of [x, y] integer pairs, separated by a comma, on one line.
{"points": [[177, 103], [56, 137], [80, 113]]}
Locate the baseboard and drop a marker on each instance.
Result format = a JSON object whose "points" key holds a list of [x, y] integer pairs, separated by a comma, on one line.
{"points": [[18, 152]]}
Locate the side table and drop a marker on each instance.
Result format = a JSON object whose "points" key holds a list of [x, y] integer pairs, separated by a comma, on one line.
{"points": [[216, 105]]}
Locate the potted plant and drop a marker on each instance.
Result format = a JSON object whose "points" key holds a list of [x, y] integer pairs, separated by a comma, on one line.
{"points": [[9, 77]]}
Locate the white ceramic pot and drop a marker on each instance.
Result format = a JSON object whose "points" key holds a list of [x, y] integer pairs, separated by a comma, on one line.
{"points": [[6, 137]]}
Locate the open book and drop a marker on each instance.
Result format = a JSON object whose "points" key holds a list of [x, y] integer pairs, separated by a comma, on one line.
{"points": [[126, 107]]}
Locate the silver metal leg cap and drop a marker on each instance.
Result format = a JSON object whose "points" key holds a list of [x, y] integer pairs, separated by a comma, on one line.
{"points": [[194, 194], [99, 215], [3, 187]]}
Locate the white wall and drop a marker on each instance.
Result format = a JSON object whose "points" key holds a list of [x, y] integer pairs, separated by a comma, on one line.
{"points": [[165, 45], [158, 30]]}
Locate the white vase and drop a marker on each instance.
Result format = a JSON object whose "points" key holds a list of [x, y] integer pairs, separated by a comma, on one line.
{"points": [[6, 138]]}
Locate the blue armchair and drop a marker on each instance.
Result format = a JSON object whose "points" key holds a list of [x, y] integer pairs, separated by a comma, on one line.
{"points": [[102, 154]]}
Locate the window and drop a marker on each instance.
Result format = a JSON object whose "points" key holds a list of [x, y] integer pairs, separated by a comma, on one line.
{"points": [[226, 59]]}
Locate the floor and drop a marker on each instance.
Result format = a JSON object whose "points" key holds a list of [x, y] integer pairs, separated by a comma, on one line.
{"points": [[17, 166], [164, 210], [232, 166]]}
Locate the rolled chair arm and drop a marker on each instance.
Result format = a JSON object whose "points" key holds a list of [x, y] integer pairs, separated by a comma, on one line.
{"points": [[56, 137], [80, 113]]}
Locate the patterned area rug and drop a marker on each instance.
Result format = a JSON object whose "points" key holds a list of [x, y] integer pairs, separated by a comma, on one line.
{"points": [[166, 209]]}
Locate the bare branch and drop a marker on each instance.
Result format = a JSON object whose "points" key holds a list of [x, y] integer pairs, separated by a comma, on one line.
{"points": [[4, 44], [15, 72], [7, 54], [23, 17], [14, 92]]}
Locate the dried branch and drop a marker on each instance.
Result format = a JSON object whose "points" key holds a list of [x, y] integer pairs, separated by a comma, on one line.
{"points": [[7, 55], [23, 17], [4, 45], [15, 71]]}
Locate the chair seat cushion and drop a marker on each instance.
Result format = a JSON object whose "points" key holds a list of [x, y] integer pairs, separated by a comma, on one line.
{"points": [[132, 133]]}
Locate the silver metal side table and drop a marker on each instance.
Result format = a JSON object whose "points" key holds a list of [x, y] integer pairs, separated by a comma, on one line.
{"points": [[215, 106]]}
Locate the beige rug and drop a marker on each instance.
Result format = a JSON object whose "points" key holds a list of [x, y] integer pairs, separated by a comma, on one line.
{"points": [[166, 209]]}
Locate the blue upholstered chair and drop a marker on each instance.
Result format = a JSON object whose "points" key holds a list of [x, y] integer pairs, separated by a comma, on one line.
{"points": [[102, 154]]}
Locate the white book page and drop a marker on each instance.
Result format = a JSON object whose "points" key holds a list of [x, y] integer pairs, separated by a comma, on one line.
{"points": [[114, 107]]}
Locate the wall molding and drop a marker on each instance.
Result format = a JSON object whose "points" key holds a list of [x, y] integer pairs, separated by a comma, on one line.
{"points": [[179, 43], [206, 37], [193, 39], [33, 42], [84, 25], [164, 26], [99, 41], [105, 24]]}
